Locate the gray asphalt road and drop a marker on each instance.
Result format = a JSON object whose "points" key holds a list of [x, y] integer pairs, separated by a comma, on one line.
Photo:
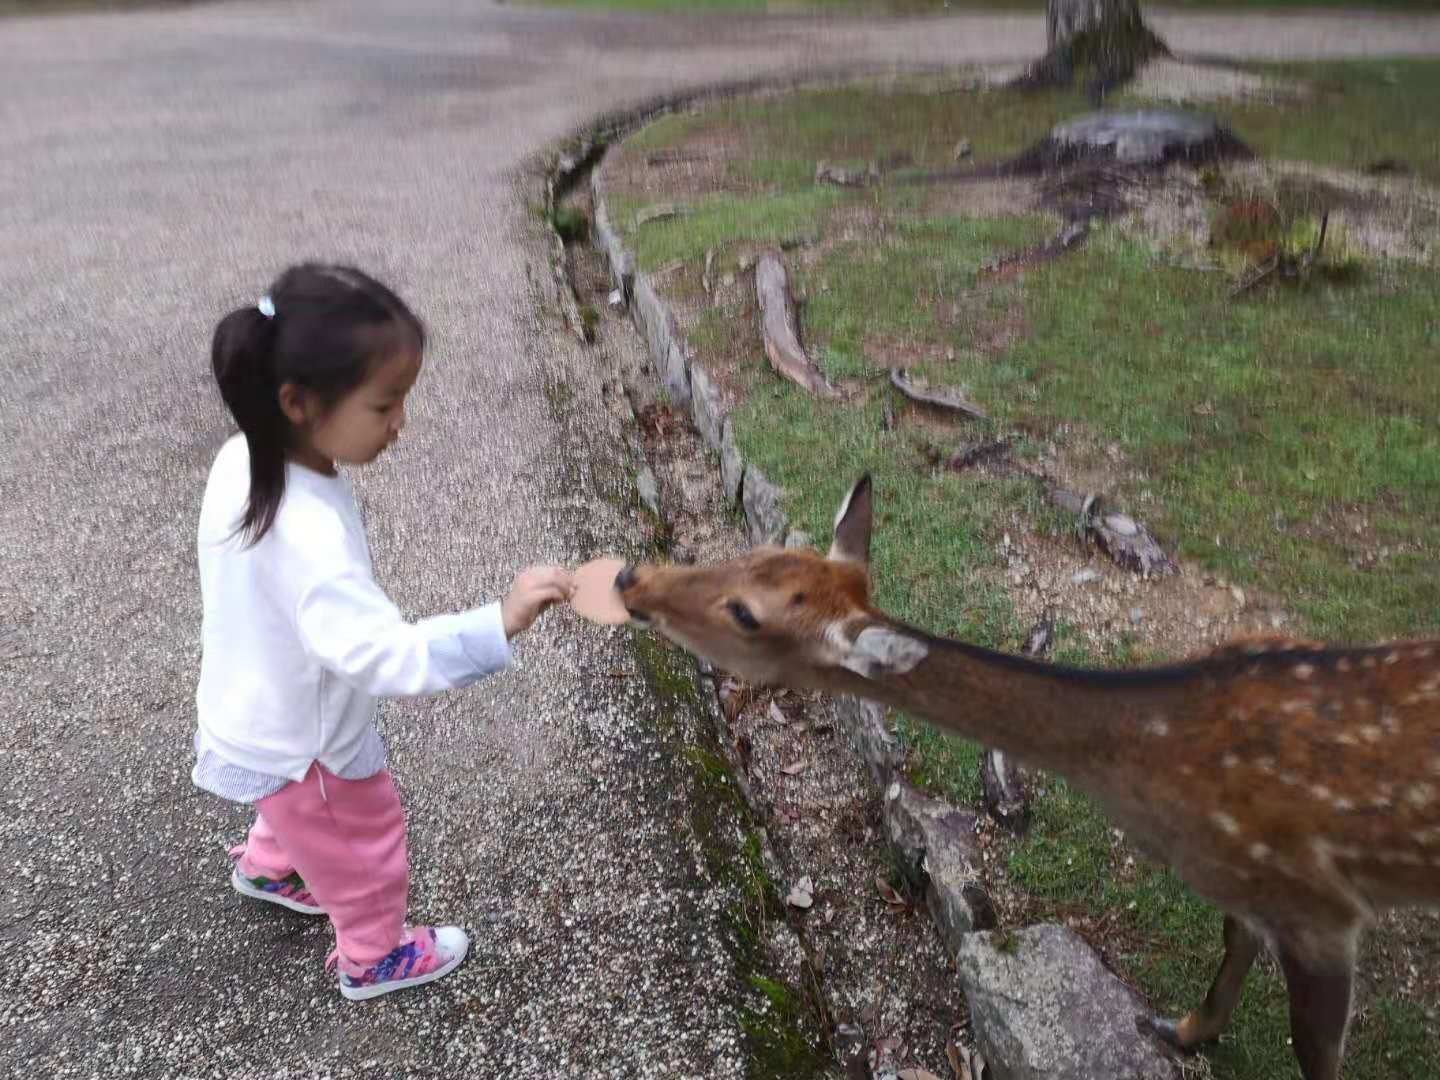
{"points": [[157, 169]]}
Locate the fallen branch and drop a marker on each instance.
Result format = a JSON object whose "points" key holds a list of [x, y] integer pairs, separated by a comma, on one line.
{"points": [[1319, 241], [901, 382], [828, 173], [1266, 269], [674, 157], [1120, 536], [781, 327], [659, 211], [1071, 235]]}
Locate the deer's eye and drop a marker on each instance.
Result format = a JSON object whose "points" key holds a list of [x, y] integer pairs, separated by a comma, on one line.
{"points": [[742, 615]]}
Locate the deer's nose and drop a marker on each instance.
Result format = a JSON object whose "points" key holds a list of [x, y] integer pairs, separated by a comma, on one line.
{"points": [[625, 579]]}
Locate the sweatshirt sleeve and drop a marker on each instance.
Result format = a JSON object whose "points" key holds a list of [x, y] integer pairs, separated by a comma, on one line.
{"points": [[350, 627]]}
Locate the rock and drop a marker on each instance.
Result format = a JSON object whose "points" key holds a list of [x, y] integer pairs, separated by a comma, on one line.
{"points": [[616, 300], [935, 847], [962, 149], [622, 262], [732, 466], [649, 489], [1141, 136], [827, 173], [1043, 1007], [1137, 616], [799, 538], [706, 406], [1085, 576], [762, 508], [655, 322], [864, 725]]}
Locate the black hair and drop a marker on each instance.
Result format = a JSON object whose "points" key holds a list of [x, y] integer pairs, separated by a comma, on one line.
{"points": [[324, 328]]}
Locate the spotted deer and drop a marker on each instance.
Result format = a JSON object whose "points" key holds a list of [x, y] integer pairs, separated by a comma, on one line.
{"points": [[1297, 787]]}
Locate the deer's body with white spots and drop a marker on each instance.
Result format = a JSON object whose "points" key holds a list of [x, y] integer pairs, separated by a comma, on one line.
{"points": [[1295, 786]]}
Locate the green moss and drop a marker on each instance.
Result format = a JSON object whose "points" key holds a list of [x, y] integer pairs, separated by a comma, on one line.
{"points": [[775, 1030], [570, 223], [777, 1022]]}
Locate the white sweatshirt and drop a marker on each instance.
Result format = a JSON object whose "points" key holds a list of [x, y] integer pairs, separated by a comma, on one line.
{"points": [[299, 641]]}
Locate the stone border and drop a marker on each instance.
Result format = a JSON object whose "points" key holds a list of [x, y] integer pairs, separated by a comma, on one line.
{"points": [[933, 842]]}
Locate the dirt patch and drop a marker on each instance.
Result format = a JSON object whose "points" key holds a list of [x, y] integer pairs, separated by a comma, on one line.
{"points": [[1378, 217], [1168, 79], [1384, 217], [1115, 611], [696, 165], [988, 198], [1352, 530]]}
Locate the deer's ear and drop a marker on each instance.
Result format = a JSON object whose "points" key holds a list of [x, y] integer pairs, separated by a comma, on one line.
{"points": [[852, 525], [878, 650]]}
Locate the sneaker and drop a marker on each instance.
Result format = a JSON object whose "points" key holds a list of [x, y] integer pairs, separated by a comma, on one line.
{"points": [[288, 891], [425, 954]]}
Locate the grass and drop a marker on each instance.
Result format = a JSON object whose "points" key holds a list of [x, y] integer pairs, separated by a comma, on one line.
{"points": [[1277, 422], [1264, 422], [719, 221], [1363, 111], [928, 262], [857, 125]]}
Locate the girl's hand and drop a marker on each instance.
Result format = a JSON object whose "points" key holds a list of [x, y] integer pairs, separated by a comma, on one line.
{"points": [[535, 589]]}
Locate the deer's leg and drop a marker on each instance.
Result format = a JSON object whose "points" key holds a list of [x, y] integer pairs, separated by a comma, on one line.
{"points": [[1242, 945], [1319, 1013]]}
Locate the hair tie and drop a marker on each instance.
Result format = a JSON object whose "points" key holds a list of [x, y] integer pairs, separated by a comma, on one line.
{"points": [[266, 307]]}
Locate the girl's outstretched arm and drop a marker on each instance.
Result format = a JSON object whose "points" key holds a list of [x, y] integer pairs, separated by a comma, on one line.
{"points": [[351, 628]]}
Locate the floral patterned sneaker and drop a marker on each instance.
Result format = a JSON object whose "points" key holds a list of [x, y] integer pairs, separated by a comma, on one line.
{"points": [[289, 891], [424, 954]]}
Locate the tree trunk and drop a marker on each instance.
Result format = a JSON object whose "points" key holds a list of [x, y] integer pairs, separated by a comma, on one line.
{"points": [[1066, 18], [1099, 42]]}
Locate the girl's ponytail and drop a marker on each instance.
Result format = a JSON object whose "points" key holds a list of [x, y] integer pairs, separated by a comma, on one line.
{"points": [[242, 355]]}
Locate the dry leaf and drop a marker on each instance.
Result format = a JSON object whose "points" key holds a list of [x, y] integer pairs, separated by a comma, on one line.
{"points": [[776, 715], [889, 895], [793, 769]]}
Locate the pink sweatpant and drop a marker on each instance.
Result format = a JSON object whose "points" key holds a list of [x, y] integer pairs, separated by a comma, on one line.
{"points": [[346, 838]]}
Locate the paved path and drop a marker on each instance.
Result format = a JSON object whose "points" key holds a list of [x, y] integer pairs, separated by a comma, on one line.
{"points": [[155, 170]]}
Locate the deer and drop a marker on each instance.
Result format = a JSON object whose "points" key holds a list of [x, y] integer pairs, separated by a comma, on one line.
{"points": [[1294, 786]]}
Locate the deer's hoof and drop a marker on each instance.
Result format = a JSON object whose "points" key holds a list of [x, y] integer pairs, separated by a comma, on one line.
{"points": [[1165, 1029]]}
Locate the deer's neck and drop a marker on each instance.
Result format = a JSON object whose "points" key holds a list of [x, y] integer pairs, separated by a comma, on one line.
{"points": [[1074, 722]]}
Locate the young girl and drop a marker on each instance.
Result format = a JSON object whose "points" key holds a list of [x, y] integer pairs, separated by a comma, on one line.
{"points": [[299, 641]]}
